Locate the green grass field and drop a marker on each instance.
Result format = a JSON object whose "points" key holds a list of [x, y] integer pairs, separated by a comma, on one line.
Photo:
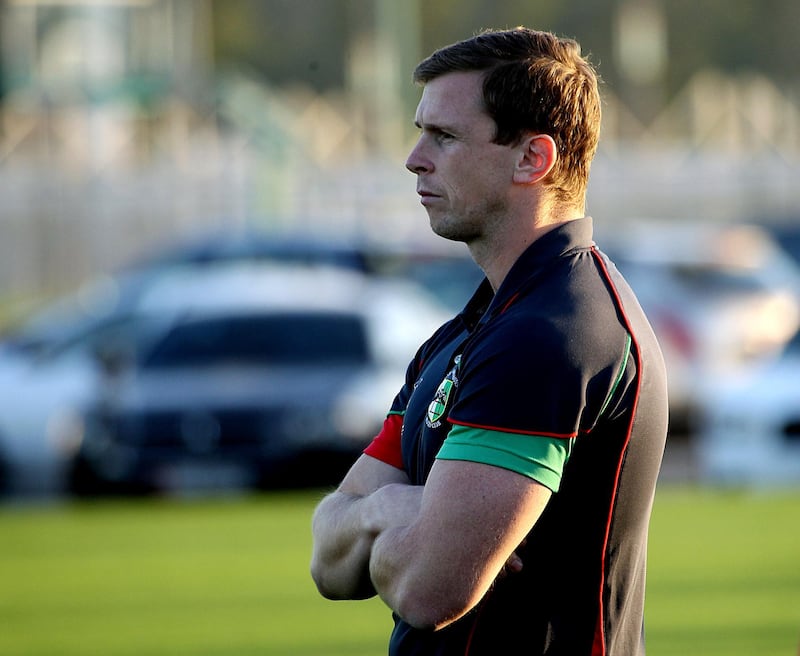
{"points": [[229, 577]]}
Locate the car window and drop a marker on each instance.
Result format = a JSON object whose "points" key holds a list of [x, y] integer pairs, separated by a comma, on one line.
{"points": [[280, 339]]}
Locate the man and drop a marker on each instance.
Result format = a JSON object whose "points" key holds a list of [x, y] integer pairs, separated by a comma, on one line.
{"points": [[504, 507]]}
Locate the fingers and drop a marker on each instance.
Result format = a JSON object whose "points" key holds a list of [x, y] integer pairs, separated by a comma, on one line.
{"points": [[514, 563]]}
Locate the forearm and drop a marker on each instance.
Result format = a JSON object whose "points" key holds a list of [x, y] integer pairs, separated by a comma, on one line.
{"points": [[436, 568], [392, 568], [420, 583]]}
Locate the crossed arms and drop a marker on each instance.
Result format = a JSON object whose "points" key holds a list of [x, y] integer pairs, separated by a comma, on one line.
{"points": [[430, 552]]}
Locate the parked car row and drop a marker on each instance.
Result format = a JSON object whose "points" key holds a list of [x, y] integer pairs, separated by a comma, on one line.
{"points": [[244, 360]]}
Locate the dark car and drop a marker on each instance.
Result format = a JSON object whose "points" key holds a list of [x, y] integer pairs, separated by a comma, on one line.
{"points": [[281, 389]]}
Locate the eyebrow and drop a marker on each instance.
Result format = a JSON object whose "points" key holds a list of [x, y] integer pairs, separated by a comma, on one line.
{"points": [[435, 127]]}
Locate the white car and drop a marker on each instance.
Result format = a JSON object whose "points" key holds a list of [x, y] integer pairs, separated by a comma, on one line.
{"points": [[44, 391], [749, 429]]}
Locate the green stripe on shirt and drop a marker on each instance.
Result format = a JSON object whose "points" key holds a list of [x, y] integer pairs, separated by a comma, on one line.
{"points": [[537, 457]]}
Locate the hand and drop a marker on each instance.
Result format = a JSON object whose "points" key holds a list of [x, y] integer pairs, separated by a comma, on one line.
{"points": [[514, 563]]}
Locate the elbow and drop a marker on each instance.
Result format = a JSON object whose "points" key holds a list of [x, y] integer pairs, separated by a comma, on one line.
{"points": [[422, 618], [324, 585], [320, 574], [431, 607], [332, 592], [338, 588]]}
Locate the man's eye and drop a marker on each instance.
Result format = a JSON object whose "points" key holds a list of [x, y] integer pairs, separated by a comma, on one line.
{"points": [[443, 137]]}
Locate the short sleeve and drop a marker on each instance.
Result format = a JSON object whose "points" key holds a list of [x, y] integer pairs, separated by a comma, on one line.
{"points": [[537, 457]]}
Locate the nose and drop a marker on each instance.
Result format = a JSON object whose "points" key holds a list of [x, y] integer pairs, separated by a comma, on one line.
{"points": [[416, 162]]}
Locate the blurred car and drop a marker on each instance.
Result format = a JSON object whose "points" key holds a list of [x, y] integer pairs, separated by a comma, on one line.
{"points": [[47, 360], [275, 376], [721, 299], [749, 432], [43, 392]]}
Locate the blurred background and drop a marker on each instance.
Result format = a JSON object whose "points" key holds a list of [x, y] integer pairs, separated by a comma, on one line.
{"points": [[179, 176], [214, 268]]}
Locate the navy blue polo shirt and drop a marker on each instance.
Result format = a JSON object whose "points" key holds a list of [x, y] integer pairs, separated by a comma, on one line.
{"points": [[558, 377]]}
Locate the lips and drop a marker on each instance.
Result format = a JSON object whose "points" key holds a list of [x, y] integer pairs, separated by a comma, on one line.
{"points": [[427, 200], [426, 196]]}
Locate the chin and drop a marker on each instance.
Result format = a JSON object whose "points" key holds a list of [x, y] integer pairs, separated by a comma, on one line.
{"points": [[443, 227], [445, 233], [452, 232]]}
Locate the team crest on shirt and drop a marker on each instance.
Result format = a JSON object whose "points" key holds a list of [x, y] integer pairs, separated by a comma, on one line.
{"points": [[438, 407]]}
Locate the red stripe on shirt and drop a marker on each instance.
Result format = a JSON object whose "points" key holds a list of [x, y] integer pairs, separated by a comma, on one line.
{"points": [[563, 436], [599, 644], [386, 444]]}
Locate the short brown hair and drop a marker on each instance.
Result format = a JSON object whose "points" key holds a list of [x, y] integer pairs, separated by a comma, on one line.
{"points": [[534, 82]]}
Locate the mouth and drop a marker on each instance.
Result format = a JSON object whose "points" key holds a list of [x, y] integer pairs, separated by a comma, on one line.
{"points": [[425, 196]]}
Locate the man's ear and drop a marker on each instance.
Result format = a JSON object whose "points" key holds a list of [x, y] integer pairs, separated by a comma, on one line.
{"points": [[538, 155]]}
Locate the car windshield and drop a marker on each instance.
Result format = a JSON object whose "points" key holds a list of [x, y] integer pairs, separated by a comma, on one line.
{"points": [[278, 339]]}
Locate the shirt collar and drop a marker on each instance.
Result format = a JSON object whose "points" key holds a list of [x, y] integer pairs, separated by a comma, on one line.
{"points": [[574, 234]]}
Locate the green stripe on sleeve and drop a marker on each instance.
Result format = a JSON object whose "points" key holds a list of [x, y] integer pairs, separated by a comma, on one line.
{"points": [[620, 373], [535, 456]]}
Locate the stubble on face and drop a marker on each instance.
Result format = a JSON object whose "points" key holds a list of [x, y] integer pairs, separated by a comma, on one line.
{"points": [[471, 224]]}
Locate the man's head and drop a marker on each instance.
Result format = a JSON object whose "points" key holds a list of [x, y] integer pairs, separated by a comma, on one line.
{"points": [[533, 82]]}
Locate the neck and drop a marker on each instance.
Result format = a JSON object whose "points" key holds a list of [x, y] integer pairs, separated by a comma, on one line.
{"points": [[496, 256]]}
